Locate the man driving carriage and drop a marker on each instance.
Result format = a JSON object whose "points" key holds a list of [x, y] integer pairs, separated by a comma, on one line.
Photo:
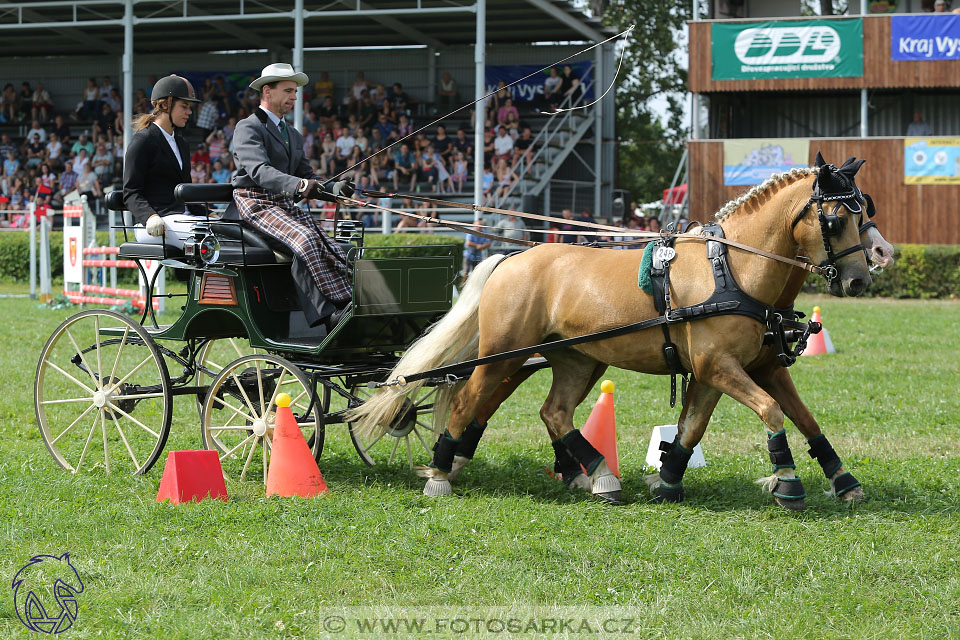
{"points": [[272, 174]]}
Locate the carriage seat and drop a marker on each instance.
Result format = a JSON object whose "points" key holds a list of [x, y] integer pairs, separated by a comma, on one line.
{"points": [[236, 246]]}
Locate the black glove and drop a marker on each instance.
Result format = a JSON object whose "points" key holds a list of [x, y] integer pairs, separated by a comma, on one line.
{"points": [[344, 188], [315, 190]]}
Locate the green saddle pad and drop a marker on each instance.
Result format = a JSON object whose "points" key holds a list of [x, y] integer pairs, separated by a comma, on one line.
{"points": [[643, 277]]}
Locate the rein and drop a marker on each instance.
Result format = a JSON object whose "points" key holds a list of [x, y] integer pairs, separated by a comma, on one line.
{"points": [[824, 271]]}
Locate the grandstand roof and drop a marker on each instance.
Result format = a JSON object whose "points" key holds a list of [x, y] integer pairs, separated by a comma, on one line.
{"points": [[64, 27]]}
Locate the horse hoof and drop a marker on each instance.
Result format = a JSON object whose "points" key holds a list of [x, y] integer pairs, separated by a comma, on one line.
{"points": [[667, 493], [581, 481], [437, 488], [459, 462], [792, 505], [853, 495], [610, 497], [605, 482]]}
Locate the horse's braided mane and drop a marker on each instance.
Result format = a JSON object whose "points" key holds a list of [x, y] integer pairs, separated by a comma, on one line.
{"points": [[728, 209]]}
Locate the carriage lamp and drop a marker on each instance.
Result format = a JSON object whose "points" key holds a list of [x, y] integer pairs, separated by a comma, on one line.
{"points": [[209, 249]]}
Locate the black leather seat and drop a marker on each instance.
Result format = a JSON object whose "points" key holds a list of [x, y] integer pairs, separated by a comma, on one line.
{"points": [[144, 251]]}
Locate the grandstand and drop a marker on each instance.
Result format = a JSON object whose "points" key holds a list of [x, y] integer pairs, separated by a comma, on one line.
{"points": [[428, 47]]}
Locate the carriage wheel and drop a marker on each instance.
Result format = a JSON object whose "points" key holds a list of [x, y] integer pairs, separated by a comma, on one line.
{"points": [[101, 377], [408, 438], [239, 411]]}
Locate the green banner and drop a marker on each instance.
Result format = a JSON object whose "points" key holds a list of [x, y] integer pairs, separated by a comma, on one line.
{"points": [[795, 49]]}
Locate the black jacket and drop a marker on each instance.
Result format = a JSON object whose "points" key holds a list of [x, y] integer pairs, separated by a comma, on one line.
{"points": [[151, 171]]}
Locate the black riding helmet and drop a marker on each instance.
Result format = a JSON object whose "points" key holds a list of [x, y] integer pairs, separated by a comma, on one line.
{"points": [[173, 86]]}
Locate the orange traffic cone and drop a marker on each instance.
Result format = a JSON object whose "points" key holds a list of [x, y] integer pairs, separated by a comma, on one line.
{"points": [[818, 343], [192, 476], [293, 471], [601, 428]]}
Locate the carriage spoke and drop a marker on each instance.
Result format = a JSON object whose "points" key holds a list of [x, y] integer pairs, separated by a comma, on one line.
{"points": [[422, 441], [233, 343], [124, 438], [135, 421], [409, 452], [396, 444], [243, 427], [86, 445], [116, 361], [106, 452], [72, 424], [70, 377], [243, 392], [140, 396], [236, 411], [65, 400], [133, 371], [260, 389], [96, 327], [83, 360], [246, 465], [276, 389], [265, 462], [231, 452], [375, 441]]}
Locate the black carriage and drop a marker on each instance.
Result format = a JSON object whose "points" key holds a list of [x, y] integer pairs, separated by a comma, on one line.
{"points": [[106, 382]]}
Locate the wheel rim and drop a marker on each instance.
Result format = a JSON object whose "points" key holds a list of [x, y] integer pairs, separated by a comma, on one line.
{"points": [[240, 409], [102, 394], [406, 442]]}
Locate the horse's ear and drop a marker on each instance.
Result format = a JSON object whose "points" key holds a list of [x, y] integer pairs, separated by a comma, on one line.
{"points": [[850, 168], [824, 177], [819, 162], [848, 161]]}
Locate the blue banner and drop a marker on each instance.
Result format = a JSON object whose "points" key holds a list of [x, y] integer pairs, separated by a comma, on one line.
{"points": [[931, 37], [531, 89]]}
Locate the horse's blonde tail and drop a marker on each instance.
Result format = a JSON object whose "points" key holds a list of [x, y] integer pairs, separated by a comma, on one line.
{"points": [[453, 339]]}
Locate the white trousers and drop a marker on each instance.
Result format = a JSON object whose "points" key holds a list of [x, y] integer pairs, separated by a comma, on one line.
{"points": [[179, 227]]}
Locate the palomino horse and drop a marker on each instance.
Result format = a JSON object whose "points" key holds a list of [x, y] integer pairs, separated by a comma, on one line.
{"points": [[559, 291], [767, 372]]}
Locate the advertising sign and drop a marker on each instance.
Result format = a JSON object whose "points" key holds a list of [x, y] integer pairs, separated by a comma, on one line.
{"points": [[750, 161], [532, 88], [932, 37], [73, 254], [931, 161], [807, 49]]}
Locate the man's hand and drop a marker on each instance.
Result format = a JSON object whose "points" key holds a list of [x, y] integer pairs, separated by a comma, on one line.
{"points": [[155, 226], [344, 188], [315, 190]]}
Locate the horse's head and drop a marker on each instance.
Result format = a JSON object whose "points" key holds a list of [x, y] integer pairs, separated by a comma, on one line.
{"points": [[828, 227]]}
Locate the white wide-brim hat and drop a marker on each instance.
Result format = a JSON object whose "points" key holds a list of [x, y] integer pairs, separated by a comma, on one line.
{"points": [[278, 72]]}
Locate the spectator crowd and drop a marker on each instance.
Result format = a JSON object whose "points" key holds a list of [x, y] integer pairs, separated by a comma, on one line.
{"points": [[82, 148]]}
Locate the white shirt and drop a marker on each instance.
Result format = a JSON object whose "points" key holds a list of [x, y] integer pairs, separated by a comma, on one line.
{"points": [[173, 144], [346, 144], [502, 145]]}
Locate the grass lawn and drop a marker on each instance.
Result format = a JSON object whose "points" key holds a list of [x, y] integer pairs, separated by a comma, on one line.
{"points": [[728, 563]]}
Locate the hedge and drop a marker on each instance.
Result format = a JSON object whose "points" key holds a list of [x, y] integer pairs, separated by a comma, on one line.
{"points": [[15, 251]]}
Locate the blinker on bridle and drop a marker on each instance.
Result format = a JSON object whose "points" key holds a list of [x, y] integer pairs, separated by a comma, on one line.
{"points": [[832, 225]]}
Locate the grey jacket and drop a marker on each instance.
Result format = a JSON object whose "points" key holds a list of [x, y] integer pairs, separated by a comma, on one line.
{"points": [[264, 160]]}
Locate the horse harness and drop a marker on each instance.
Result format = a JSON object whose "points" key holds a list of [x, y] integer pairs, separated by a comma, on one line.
{"points": [[783, 326]]}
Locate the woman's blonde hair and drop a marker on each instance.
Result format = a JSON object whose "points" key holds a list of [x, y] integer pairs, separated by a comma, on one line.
{"points": [[161, 106]]}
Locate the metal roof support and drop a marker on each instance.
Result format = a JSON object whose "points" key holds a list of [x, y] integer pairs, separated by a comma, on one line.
{"points": [[127, 73], [392, 23], [298, 61], [598, 84], [562, 16], [480, 89]]}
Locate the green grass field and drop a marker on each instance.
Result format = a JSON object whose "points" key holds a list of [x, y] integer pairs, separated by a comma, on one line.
{"points": [[728, 563]]}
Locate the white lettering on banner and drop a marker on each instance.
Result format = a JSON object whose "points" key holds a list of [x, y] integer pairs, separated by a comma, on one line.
{"points": [[948, 45], [521, 92], [785, 45]]}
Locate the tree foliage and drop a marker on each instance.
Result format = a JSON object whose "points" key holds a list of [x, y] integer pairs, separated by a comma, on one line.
{"points": [[654, 66]]}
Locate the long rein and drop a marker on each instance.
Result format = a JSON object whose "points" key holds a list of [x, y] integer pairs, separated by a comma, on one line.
{"points": [[602, 229]]}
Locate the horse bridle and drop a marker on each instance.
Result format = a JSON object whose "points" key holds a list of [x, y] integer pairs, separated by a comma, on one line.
{"points": [[831, 225]]}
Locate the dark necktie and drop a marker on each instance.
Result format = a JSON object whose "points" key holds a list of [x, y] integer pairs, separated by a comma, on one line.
{"points": [[283, 131]]}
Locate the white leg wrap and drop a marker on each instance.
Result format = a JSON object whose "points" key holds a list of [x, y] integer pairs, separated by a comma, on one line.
{"points": [[436, 488], [603, 481], [459, 462]]}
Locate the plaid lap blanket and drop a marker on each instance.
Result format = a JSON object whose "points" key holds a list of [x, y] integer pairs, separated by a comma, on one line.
{"points": [[276, 216]]}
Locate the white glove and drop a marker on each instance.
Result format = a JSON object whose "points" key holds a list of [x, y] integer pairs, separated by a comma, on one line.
{"points": [[155, 226]]}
